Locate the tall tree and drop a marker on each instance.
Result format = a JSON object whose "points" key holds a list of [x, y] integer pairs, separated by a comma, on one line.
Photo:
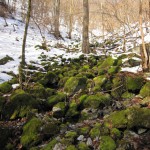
{"points": [[144, 48], [25, 32], [85, 31], [23, 63], [56, 18]]}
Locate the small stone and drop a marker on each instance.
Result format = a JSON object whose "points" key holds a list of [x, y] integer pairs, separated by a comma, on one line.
{"points": [[56, 109], [58, 147], [140, 131], [89, 142], [80, 138]]}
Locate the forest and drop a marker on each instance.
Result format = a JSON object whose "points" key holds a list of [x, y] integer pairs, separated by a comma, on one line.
{"points": [[75, 75]]}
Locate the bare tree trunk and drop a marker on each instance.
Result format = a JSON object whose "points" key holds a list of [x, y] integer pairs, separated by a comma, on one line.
{"points": [[85, 32], [149, 10], [56, 18], [23, 63], [70, 19], [25, 33], [144, 53]]}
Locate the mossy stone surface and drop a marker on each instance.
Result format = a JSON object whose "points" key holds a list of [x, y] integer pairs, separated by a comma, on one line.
{"points": [[20, 105], [71, 147], [49, 79], [95, 101], [74, 84], [127, 95], [107, 143], [50, 145], [59, 110], [95, 132], [99, 81], [83, 146], [134, 83], [145, 91], [5, 87], [59, 97], [31, 135]]}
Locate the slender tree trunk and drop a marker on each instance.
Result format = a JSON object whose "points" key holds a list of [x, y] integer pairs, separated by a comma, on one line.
{"points": [[23, 63], [25, 33], [85, 32], [70, 19], [56, 18], [144, 53], [149, 10]]}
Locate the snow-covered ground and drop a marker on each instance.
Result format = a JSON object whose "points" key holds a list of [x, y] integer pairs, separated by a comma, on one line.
{"points": [[11, 44], [11, 37]]}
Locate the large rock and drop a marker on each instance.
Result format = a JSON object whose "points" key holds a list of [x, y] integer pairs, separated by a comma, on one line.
{"points": [[74, 84], [132, 117]]}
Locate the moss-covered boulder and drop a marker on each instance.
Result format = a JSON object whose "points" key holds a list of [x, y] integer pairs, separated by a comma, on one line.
{"points": [[113, 70], [31, 136], [54, 99], [59, 110], [38, 91], [107, 143], [74, 84], [127, 95], [71, 147], [115, 133], [83, 146], [5, 87], [132, 117], [98, 100], [50, 145], [106, 64], [73, 111], [95, 132], [99, 81], [50, 79], [71, 136], [84, 130], [118, 86], [5, 60], [20, 105], [145, 91], [134, 83]]}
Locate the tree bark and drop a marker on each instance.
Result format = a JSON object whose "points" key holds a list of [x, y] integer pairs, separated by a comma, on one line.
{"points": [[144, 52], [25, 32], [56, 18], [85, 32]]}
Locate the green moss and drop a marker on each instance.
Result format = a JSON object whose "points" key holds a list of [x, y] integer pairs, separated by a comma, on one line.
{"points": [[117, 119], [71, 136], [62, 81], [50, 145], [71, 147], [59, 110], [83, 146], [99, 82], [107, 143], [49, 92], [5, 60], [145, 91], [115, 133], [38, 91], [107, 63], [97, 100], [132, 117], [72, 111], [49, 79], [84, 130], [114, 69], [134, 83], [20, 104], [118, 86], [5, 87], [59, 97], [138, 117], [127, 95], [74, 84], [31, 135], [95, 132]]}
